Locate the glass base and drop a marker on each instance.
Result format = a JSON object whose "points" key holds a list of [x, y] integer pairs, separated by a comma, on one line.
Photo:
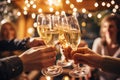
{"points": [[52, 71], [65, 63], [80, 72]]}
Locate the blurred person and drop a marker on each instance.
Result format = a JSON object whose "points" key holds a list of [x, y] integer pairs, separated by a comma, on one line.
{"points": [[38, 57], [7, 31], [109, 42]]}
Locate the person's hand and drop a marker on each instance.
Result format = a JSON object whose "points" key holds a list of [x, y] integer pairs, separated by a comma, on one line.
{"points": [[67, 52], [86, 56], [38, 57], [83, 44], [33, 42]]}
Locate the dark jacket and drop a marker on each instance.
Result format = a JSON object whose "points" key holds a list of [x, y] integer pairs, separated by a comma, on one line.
{"points": [[10, 67]]}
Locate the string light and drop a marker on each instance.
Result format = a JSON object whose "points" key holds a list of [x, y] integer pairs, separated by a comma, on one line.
{"points": [[74, 13], [34, 6], [33, 15], [108, 5], [26, 1], [25, 12], [84, 10], [90, 15], [116, 6], [62, 12], [51, 9], [9, 1], [40, 10], [25, 8], [31, 2], [67, 2], [96, 4], [114, 10], [28, 5], [103, 3], [112, 2], [35, 24], [71, 5], [99, 15], [83, 24], [79, 0], [57, 13], [18, 13], [30, 30], [74, 9], [66, 78]]}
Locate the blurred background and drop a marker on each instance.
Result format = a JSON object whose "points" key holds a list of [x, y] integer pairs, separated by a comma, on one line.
{"points": [[23, 14]]}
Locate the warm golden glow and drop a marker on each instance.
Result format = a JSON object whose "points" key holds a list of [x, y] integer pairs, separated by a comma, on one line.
{"points": [[112, 2], [96, 4], [108, 4], [83, 10], [33, 15], [114, 10], [18, 13], [116, 6], [74, 9], [48, 78], [66, 78], [103, 3], [40, 10], [79, 0], [51, 9], [99, 15], [67, 2], [25, 12], [71, 5], [57, 13], [83, 24], [90, 15], [34, 6]]}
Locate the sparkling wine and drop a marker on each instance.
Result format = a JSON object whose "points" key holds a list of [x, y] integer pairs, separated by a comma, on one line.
{"points": [[73, 36], [48, 35]]}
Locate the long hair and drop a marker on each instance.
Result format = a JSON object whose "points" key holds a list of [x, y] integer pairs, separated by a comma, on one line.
{"points": [[116, 19], [1, 29]]}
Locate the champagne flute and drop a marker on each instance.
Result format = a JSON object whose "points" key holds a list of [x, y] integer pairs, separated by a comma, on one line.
{"points": [[50, 35], [73, 36], [63, 27]]}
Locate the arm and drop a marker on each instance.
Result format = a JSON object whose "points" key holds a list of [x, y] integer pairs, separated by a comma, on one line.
{"points": [[20, 44], [87, 56], [38, 57], [10, 67], [110, 64]]}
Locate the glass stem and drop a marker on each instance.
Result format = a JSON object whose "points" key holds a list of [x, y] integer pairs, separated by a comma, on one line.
{"points": [[77, 66]]}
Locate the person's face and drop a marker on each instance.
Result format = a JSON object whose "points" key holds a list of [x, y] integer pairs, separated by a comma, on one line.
{"points": [[8, 32], [109, 29]]}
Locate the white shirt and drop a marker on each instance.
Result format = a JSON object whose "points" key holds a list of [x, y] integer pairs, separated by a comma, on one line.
{"points": [[102, 50]]}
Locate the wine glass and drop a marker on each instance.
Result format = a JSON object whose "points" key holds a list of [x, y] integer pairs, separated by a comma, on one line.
{"points": [[73, 36], [50, 35], [63, 27]]}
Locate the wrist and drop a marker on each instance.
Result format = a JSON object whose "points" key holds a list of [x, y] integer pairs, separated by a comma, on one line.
{"points": [[23, 61]]}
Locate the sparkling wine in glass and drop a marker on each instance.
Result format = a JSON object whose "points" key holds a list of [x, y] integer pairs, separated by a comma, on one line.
{"points": [[50, 35], [63, 28], [73, 36]]}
